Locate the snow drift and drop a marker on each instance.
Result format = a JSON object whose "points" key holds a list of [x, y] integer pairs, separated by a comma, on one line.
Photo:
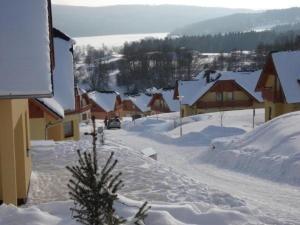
{"points": [[270, 151]]}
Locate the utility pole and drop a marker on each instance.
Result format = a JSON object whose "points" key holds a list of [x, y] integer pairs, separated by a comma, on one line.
{"points": [[180, 114]]}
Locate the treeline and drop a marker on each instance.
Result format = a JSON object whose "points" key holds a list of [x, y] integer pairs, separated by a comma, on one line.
{"points": [[160, 62], [153, 62]]}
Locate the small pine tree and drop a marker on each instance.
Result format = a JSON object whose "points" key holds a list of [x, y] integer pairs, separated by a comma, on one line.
{"points": [[94, 191]]}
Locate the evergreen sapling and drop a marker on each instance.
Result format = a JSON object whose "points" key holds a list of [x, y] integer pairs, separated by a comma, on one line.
{"points": [[94, 191]]}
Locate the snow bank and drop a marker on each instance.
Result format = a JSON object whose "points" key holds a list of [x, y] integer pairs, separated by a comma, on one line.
{"points": [[270, 151], [58, 213]]}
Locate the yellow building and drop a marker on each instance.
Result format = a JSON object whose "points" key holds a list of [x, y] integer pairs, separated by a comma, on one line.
{"points": [[223, 91], [280, 83], [25, 71], [57, 118]]}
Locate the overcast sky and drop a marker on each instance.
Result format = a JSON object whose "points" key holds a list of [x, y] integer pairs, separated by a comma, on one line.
{"points": [[251, 4]]}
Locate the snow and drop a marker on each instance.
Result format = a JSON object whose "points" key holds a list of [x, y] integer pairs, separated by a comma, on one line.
{"points": [[188, 155], [106, 100], [168, 97], [192, 90], [278, 159], [287, 65], [184, 187], [52, 104], [149, 152], [25, 56], [141, 101], [63, 77]]}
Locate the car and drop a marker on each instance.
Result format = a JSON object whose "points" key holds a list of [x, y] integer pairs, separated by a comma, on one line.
{"points": [[113, 123]]}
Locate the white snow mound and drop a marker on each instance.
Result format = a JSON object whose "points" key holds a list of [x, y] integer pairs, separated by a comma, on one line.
{"points": [[270, 151]]}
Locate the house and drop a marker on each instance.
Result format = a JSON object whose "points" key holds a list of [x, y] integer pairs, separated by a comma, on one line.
{"points": [[280, 83], [105, 104], [66, 126], [136, 105], [129, 108], [45, 114], [82, 104], [224, 92], [26, 67], [163, 102]]}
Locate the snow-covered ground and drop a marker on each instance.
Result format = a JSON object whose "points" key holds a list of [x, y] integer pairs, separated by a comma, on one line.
{"points": [[187, 185]]}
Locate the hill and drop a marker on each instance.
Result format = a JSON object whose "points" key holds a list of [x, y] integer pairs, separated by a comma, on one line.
{"points": [[242, 22], [127, 19]]}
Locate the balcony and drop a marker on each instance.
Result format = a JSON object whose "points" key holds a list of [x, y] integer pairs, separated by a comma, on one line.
{"points": [[225, 104]]}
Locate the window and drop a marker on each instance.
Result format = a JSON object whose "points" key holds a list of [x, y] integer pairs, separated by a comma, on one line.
{"points": [[230, 96], [84, 117], [219, 96], [68, 129]]}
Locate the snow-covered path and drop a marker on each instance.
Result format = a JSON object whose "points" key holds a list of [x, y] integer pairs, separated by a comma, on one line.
{"points": [[276, 200]]}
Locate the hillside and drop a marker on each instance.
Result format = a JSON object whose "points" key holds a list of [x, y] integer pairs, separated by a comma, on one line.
{"points": [[242, 22], [122, 19]]}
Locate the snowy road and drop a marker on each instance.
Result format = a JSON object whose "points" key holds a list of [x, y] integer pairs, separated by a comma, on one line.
{"points": [[276, 200]]}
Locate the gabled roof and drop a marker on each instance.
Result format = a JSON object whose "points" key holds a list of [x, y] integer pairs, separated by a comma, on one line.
{"points": [[141, 101], [25, 40], [172, 103], [52, 105], [195, 89], [106, 100], [63, 73], [287, 66], [192, 90]]}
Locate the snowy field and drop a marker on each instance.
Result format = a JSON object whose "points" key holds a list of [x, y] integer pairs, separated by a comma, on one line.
{"points": [[212, 175]]}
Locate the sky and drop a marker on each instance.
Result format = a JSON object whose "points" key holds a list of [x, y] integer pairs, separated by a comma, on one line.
{"points": [[252, 4]]}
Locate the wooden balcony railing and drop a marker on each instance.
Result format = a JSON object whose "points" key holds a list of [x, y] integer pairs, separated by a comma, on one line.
{"points": [[221, 104]]}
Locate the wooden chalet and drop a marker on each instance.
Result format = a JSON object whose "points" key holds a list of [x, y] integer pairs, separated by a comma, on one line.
{"points": [[105, 104], [280, 83], [230, 91]]}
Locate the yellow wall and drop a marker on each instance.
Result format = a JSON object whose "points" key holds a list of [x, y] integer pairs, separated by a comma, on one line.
{"points": [[76, 120], [37, 128], [277, 109], [55, 130], [15, 160]]}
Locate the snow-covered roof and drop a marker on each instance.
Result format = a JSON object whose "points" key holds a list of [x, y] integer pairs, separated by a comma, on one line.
{"points": [[63, 73], [195, 89], [25, 65], [172, 103], [106, 100], [53, 105], [287, 65], [141, 101], [192, 90]]}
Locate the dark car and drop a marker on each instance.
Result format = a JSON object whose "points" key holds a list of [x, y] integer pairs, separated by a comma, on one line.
{"points": [[113, 123]]}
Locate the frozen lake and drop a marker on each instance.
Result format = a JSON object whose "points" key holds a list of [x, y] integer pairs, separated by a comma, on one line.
{"points": [[115, 40]]}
